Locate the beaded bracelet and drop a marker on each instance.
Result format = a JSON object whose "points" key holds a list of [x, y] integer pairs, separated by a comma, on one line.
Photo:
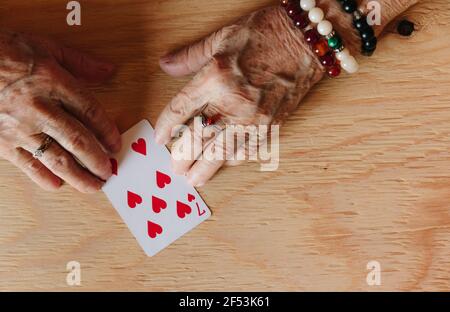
{"points": [[325, 46], [366, 32], [325, 28]]}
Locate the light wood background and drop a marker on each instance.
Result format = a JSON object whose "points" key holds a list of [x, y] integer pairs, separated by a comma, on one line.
{"points": [[364, 174]]}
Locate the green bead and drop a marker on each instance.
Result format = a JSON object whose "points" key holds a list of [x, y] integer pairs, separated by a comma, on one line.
{"points": [[335, 42]]}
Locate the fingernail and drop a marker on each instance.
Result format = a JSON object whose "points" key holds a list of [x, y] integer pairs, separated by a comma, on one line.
{"points": [[195, 181], [179, 171]]}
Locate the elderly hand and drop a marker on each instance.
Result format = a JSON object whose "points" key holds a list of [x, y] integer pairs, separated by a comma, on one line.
{"points": [[253, 72], [40, 97]]}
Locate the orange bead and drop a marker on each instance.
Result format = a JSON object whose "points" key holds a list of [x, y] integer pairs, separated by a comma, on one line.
{"points": [[321, 47]]}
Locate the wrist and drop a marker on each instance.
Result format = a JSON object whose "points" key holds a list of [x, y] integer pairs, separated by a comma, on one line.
{"points": [[343, 22], [301, 53]]}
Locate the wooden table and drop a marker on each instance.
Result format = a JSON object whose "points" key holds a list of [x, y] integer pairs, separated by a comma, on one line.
{"points": [[364, 174]]}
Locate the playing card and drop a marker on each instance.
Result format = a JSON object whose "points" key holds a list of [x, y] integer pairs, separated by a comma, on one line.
{"points": [[157, 205]]}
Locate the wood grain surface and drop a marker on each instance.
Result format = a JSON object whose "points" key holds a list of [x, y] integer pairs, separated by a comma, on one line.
{"points": [[364, 172]]}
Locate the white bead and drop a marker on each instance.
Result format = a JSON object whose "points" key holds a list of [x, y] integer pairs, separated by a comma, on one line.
{"points": [[350, 65], [307, 5], [324, 28], [316, 15], [343, 54]]}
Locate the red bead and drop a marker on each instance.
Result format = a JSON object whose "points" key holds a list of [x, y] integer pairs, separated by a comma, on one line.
{"points": [[312, 36], [293, 8], [334, 71], [328, 59], [284, 3], [321, 47], [300, 20]]}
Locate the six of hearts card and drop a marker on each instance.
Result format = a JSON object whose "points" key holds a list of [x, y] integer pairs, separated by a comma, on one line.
{"points": [[157, 205]]}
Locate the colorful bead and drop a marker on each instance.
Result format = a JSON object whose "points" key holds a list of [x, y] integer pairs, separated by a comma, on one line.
{"points": [[328, 59], [300, 20], [361, 24], [370, 44], [334, 71], [343, 54], [324, 28], [335, 42], [349, 6], [312, 36], [367, 34], [321, 47], [293, 8], [350, 65], [316, 15], [307, 5]]}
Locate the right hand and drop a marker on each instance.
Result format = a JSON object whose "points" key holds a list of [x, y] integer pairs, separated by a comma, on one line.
{"points": [[40, 96], [253, 72]]}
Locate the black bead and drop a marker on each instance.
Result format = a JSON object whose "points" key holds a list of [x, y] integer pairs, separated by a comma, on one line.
{"points": [[349, 6], [367, 34], [361, 24], [405, 28], [369, 45]]}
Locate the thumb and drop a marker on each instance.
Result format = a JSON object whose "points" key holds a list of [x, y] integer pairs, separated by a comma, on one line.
{"points": [[81, 65], [192, 58]]}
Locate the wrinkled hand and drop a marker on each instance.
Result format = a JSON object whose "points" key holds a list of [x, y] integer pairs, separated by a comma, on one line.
{"points": [[253, 72], [40, 96]]}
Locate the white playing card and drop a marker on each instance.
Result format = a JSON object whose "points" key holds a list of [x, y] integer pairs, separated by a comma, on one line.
{"points": [[157, 205]]}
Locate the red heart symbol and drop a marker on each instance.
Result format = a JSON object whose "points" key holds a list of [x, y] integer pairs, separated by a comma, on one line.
{"points": [[191, 198], [140, 147], [162, 179], [134, 199], [183, 210], [153, 229], [114, 166], [158, 204]]}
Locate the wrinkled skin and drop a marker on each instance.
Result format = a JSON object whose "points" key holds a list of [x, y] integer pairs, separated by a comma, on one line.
{"points": [[253, 72], [40, 96]]}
